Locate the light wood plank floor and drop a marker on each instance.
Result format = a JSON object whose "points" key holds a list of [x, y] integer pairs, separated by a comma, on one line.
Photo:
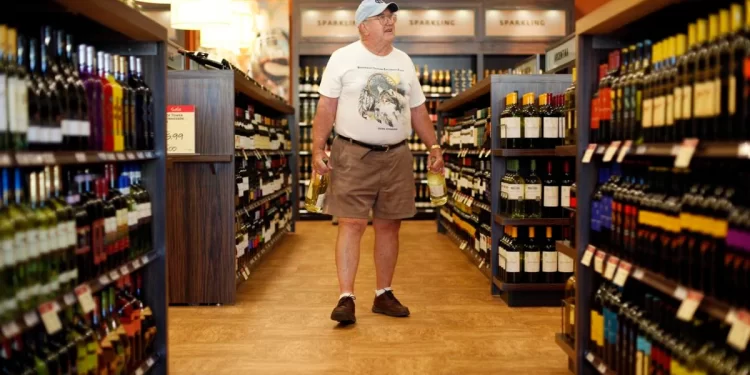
{"points": [[281, 325]]}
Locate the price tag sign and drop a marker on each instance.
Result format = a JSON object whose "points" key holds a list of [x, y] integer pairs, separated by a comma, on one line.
{"points": [[130, 156], [49, 158], [124, 270], [5, 160], [599, 261], [181, 129], [51, 320], [83, 293], [743, 150], [590, 357], [685, 154], [600, 149], [114, 275], [104, 280], [689, 306], [31, 318], [150, 362], [602, 368], [120, 156], [80, 157], [680, 293], [589, 153], [139, 371], [463, 245], [139, 154], [624, 151], [588, 255], [739, 334], [622, 273], [640, 150], [10, 329], [611, 151], [612, 263], [111, 157], [137, 263], [144, 259]]}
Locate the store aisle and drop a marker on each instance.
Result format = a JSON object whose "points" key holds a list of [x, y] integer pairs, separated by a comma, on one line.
{"points": [[281, 325]]}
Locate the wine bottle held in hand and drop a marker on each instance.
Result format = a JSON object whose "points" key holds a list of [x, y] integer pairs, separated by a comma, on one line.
{"points": [[316, 192], [436, 182]]}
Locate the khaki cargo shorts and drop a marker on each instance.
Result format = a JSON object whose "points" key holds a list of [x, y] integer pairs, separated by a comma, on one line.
{"points": [[364, 180]]}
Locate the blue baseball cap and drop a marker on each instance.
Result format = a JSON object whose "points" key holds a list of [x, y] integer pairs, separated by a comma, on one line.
{"points": [[369, 8]]}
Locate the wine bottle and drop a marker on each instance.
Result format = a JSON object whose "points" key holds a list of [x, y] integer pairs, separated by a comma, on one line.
{"points": [[4, 97], [148, 108], [74, 65], [703, 87], [18, 95], [308, 80], [436, 183], [128, 106], [551, 201], [512, 122], [301, 80], [514, 259], [533, 193], [39, 101], [56, 82], [316, 192], [738, 50], [549, 258], [531, 258], [516, 200], [531, 124], [115, 140], [315, 80], [426, 88], [108, 103], [566, 181], [570, 111]]}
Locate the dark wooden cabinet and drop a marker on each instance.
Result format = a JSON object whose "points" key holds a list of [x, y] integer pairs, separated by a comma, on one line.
{"points": [[200, 187]]}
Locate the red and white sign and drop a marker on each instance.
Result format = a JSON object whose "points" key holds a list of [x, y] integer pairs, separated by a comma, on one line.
{"points": [[180, 129]]}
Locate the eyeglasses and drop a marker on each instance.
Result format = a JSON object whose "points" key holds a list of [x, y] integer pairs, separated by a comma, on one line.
{"points": [[384, 18]]}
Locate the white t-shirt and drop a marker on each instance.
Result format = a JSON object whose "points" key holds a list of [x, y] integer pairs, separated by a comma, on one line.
{"points": [[376, 94]]}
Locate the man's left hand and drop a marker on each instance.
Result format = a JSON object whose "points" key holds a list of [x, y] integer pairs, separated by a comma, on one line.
{"points": [[436, 155]]}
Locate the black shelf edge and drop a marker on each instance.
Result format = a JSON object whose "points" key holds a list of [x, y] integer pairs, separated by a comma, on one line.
{"points": [[515, 152], [616, 14], [10, 329], [707, 149], [257, 93], [472, 259], [266, 198], [255, 261], [562, 247], [43, 158], [119, 17], [537, 287], [598, 364], [147, 365], [504, 220], [566, 346], [567, 150]]}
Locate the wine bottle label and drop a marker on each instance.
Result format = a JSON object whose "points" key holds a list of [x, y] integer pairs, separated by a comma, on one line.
{"points": [[669, 116], [564, 263], [513, 261], [549, 261], [33, 134], [437, 191], [132, 218], [531, 127], [8, 254], [4, 101], [513, 127], [321, 201], [550, 129], [678, 103], [703, 99], [533, 192], [565, 196], [70, 229], [551, 196], [55, 135], [515, 191], [32, 242], [659, 109], [13, 107], [648, 114], [687, 102], [61, 237], [531, 261], [482, 242], [731, 94]]}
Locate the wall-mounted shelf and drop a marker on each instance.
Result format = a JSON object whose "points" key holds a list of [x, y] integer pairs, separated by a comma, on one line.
{"points": [[120, 17], [467, 97], [615, 14], [538, 294], [259, 95]]}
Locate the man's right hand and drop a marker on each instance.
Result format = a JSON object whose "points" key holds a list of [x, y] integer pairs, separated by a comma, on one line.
{"points": [[320, 164]]}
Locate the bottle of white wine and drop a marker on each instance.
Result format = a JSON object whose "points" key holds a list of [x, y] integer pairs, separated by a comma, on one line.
{"points": [[316, 192], [436, 182]]}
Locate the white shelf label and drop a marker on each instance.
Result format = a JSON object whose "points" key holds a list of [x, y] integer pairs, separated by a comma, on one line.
{"points": [[739, 334], [689, 306], [10, 329], [83, 292], [685, 153], [612, 263], [589, 153], [180, 129], [622, 273], [611, 151], [51, 320], [31, 318], [599, 262], [588, 255]]}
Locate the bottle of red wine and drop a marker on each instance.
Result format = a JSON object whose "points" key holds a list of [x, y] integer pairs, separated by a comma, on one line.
{"points": [[551, 196]]}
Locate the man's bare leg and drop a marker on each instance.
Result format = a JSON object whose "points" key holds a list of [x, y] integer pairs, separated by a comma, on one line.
{"points": [[386, 250], [347, 251]]}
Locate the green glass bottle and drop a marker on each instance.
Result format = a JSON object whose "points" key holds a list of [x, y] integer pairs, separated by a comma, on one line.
{"points": [[134, 242], [8, 304], [48, 240], [66, 231], [516, 194], [22, 277], [533, 193]]}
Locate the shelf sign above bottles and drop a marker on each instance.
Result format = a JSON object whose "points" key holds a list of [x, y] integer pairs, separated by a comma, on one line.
{"points": [[339, 23], [522, 23], [436, 22], [180, 129], [560, 55]]}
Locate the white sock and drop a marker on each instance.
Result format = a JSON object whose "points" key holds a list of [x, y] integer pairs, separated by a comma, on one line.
{"points": [[379, 292], [346, 295]]}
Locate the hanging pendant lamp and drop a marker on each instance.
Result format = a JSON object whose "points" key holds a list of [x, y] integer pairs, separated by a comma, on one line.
{"points": [[198, 14], [240, 32]]}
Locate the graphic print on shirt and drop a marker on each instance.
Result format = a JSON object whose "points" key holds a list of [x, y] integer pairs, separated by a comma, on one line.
{"points": [[383, 99]]}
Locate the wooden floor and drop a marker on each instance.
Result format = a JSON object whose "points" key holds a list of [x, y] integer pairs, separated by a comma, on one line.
{"points": [[281, 324]]}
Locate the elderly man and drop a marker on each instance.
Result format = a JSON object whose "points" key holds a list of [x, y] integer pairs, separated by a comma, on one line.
{"points": [[371, 93]]}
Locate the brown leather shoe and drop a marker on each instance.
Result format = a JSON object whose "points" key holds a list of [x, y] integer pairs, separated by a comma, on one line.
{"points": [[344, 311], [387, 304]]}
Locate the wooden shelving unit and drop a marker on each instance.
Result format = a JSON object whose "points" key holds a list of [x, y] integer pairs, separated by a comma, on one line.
{"points": [[540, 294], [562, 247], [568, 349], [201, 187], [114, 27], [616, 14]]}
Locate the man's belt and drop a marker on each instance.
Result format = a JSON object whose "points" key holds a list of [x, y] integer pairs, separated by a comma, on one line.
{"points": [[383, 148]]}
